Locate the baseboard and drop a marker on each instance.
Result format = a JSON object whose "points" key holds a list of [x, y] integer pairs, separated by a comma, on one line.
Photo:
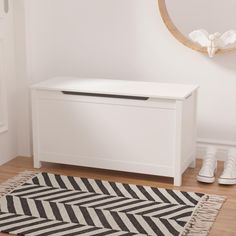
{"points": [[2, 162], [222, 146]]}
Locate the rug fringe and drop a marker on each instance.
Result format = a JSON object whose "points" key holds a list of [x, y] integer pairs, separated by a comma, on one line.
{"points": [[9, 185], [204, 216]]}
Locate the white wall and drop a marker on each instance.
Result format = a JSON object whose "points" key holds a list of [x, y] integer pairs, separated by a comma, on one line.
{"points": [[126, 39], [23, 80]]}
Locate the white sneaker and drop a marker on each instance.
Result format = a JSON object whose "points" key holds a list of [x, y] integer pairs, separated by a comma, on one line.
{"points": [[208, 170], [228, 176]]}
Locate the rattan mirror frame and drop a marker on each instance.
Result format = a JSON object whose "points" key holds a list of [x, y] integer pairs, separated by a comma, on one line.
{"points": [[178, 35]]}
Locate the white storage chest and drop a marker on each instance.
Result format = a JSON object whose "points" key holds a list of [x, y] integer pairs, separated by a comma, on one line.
{"points": [[132, 126]]}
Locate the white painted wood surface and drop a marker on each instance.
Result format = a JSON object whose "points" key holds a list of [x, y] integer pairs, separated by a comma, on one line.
{"points": [[4, 50], [121, 87], [154, 136]]}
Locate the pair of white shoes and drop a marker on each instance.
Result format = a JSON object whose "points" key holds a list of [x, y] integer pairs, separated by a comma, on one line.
{"points": [[209, 167]]}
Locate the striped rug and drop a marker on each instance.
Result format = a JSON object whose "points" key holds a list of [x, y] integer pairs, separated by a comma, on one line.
{"points": [[49, 204]]}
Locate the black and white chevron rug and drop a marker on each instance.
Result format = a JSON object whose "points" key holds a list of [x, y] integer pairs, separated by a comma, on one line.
{"points": [[49, 204]]}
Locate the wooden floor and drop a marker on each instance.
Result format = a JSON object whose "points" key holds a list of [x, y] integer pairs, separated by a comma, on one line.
{"points": [[226, 221]]}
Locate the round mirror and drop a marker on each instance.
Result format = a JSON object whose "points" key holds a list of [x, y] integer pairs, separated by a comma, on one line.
{"points": [[185, 16]]}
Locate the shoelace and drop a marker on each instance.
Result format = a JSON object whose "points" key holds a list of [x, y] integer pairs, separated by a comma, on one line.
{"points": [[209, 162], [230, 163]]}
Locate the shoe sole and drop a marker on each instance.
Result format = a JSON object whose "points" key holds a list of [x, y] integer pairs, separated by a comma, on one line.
{"points": [[227, 181], [204, 179]]}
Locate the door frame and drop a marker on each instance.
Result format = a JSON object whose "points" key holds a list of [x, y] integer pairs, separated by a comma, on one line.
{"points": [[3, 87]]}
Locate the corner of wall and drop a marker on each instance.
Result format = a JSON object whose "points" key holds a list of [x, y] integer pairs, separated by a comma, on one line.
{"points": [[22, 76]]}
